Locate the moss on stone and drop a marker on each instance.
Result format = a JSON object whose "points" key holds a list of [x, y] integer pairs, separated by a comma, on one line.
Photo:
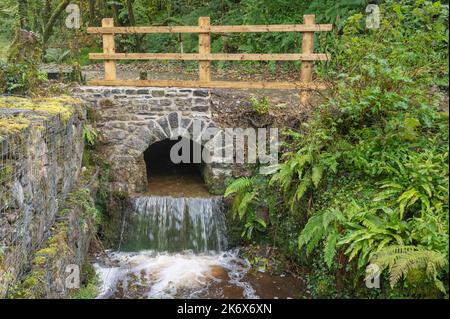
{"points": [[55, 248], [45, 261], [2, 256], [55, 245], [63, 105], [33, 287], [13, 125], [42, 108], [82, 198], [6, 171]]}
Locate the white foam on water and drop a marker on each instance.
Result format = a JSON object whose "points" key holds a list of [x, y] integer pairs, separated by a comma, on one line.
{"points": [[169, 275], [164, 223]]}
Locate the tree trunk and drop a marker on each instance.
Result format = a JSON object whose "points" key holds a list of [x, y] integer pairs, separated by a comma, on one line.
{"points": [[102, 8], [23, 16], [340, 274], [91, 12], [53, 18], [131, 18], [115, 11], [132, 21]]}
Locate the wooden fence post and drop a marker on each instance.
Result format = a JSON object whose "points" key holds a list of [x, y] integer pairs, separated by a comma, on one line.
{"points": [[204, 42], [306, 72], [109, 47]]}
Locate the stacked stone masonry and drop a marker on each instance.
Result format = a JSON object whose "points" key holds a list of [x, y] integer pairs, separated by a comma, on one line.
{"points": [[47, 168], [130, 119]]}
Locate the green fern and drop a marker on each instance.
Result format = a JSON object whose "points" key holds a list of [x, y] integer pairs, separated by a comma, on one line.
{"points": [[322, 226], [250, 195], [400, 260], [245, 202], [239, 185], [56, 55], [90, 134]]}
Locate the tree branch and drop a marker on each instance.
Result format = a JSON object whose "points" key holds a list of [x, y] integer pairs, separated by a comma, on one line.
{"points": [[51, 22]]}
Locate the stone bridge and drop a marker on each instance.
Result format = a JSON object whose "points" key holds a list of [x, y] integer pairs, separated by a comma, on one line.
{"points": [[130, 119]]}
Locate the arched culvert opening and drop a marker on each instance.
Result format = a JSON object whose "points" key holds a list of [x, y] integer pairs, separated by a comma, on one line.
{"points": [[166, 178]]}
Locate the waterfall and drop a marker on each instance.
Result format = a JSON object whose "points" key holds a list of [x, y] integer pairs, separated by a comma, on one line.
{"points": [[165, 223], [175, 247]]}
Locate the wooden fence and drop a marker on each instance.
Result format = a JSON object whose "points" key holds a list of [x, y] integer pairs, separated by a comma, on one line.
{"points": [[204, 55]]}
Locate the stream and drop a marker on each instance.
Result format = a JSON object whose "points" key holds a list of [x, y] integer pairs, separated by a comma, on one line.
{"points": [[176, 247]]}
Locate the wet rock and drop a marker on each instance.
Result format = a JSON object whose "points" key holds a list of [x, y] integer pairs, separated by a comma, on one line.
{"points": [[219, 273]]}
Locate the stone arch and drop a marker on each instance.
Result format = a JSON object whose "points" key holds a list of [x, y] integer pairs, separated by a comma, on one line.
{"points": [[128, 161]]}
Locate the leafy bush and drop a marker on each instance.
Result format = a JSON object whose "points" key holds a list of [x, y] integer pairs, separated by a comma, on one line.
{"points": [[249, 195], [260, 106], [20, 78], [371, 166], [381, 131], [56, 55]]}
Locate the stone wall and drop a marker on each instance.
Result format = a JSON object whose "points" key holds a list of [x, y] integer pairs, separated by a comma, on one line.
{"points": [[130, 119], [39, 166], [57, 268], [137, 104]]}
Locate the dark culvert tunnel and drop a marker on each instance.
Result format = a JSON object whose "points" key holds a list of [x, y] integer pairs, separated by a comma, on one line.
{"points": [[166, 178]]}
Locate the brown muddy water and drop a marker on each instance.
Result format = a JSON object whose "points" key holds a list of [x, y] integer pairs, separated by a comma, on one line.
{"points": [[149, 274], [187, 185]]}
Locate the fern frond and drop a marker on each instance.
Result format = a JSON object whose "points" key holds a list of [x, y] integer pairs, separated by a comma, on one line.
{"points": [[400, 260], [311, 230], [239, 185], [245, 202], [330, 248]]}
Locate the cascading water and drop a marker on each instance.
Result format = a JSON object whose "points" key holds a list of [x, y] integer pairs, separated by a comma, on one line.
{"points": [[175, 247], [165, 223]]}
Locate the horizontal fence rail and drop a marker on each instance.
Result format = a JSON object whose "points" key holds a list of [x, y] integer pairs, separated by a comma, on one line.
{"points": [[214, 29], [210, 57], [204, 55]]}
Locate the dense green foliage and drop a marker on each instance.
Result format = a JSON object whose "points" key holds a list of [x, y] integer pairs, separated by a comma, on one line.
{"points": [[364, 181], [53, 33], [240, 12], [369, 172]]}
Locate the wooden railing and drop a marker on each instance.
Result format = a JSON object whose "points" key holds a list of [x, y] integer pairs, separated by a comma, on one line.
{"points": [[204, 55]]}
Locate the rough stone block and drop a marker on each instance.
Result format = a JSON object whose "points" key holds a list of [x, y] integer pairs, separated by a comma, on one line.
{"points": [[165, 102], [202, 93], [156, 129], [174, 120], [183, 102], [142, 91], [199, 108], [158, 93], [202, 102]]}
